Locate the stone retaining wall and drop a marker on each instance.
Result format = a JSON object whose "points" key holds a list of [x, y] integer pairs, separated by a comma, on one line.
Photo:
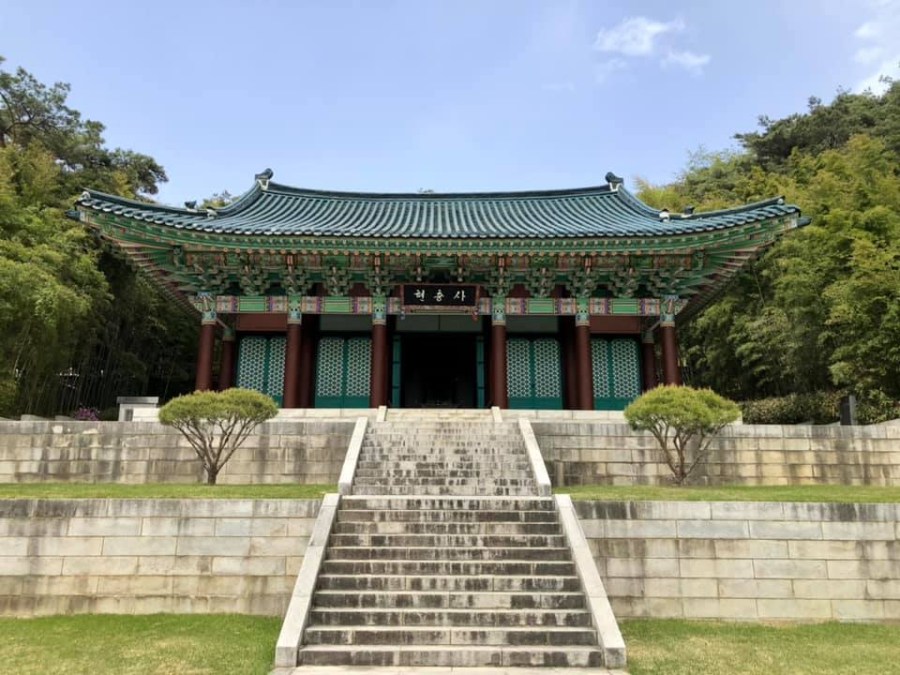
{"points": [[146, 556], [307, 452], [585, 452], [577, 451], [724, 560], [747, 561]]}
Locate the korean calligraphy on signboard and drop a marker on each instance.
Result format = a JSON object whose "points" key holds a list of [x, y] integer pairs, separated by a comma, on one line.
{"points": [[462, 297]]}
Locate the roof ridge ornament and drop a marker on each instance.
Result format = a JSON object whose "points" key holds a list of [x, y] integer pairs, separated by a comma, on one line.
{"points": [[664, 215], [614, 181], [264, 177], [211, 213]]}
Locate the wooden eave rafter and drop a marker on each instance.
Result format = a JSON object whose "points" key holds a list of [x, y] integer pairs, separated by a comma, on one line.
{"points": [[723, 252]]}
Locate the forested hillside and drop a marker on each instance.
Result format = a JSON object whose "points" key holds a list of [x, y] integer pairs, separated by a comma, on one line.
{"points": [[77, 326], [820, 312]]}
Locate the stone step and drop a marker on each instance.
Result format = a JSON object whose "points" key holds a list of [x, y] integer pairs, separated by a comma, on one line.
{"points": [[450, 656], [389, 470], [457, 553], [444, 567], [448, 503], [461, 434], [443, 516], [426, 444], [480, 583], [442, 490], [487, 542], [445, 463], [375, 616], [487, 528], [442, 480], [433, 635], [431, 453], [448, 600]]}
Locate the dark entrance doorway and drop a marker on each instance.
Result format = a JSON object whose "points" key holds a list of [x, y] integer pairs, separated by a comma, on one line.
{"points": [[438, 371]]}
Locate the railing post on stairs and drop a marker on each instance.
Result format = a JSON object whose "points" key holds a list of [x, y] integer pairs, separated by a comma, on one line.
{"points": [[297, 614], [348, 470], [611, 642], [541, 477]]}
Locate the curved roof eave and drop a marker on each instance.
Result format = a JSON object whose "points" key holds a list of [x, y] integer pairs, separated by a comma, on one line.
{"points": [[271, 209]]}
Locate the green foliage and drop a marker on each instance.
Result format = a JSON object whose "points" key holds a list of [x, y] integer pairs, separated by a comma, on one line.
{"points": [[820, 312], [217, 423], [683, 420], [79, 326], [814, 408]]}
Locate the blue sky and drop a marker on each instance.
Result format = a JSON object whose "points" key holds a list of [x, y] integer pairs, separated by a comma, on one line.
{"points": [[457, 95]]}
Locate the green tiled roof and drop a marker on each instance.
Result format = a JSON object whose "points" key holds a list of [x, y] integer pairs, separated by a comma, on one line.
{"points": [[273, 209]]}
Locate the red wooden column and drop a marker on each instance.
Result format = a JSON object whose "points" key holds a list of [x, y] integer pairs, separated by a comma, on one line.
{"points": [[499, 391], [205, 349], [671, 371], [291, 392], [226, 367], [584, 398], [570, 368], [648, 347], [378, 385], [309, 332]]}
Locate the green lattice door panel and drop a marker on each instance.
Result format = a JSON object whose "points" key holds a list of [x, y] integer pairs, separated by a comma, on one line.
{"points": [[534, 373], [261, 365], [617, 372], [343, 368]]}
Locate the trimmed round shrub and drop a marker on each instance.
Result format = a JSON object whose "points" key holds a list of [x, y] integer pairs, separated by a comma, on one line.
{"points": [[684, 421], [217, 423]]}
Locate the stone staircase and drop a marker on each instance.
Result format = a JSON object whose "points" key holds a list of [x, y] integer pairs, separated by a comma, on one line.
{"points": [[444, 555]]}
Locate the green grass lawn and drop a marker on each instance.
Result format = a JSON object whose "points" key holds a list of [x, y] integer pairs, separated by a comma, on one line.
{"points": [[160, 491], [737, 493], [139, 645], [244, 645], [674, 647]]}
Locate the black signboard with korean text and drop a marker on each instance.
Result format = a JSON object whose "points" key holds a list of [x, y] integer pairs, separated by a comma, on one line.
{"points": [[460, 297]]}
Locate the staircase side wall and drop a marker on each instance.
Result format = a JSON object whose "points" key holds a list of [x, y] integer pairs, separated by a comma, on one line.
{"points": [[747, 560], [146, 556], [591, 453]]}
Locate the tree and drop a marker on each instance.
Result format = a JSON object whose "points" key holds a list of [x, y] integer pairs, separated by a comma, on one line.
{"points": [[217, 423], [69, 304], [683, 421], [817, 313]]}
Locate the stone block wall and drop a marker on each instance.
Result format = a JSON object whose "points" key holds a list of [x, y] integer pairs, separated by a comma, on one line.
{"points": [[146, 452], [590, 452], [747, 560], [146, 556]]}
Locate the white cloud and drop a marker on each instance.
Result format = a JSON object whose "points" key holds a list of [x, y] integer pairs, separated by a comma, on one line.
{"points": [[691, 62], [605, 69], [868, 30], [635, 36], [880, 48], [639, 37]]}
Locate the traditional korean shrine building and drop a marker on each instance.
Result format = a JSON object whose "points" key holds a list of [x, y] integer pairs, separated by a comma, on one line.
{"points": [[552, 299]]}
